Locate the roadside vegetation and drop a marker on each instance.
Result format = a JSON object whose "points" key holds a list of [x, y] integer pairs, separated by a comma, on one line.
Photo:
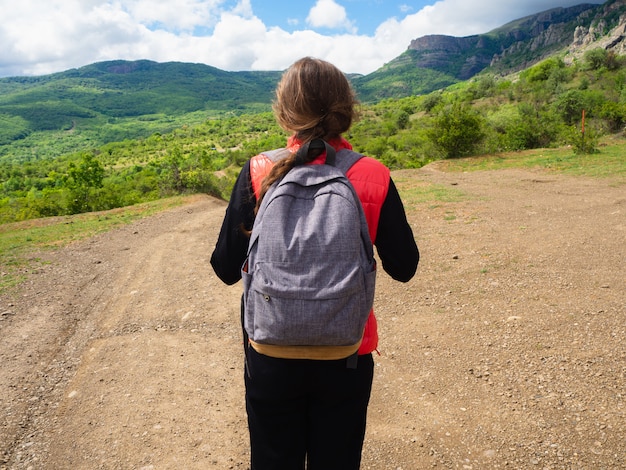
{"points": [[21, 241]]}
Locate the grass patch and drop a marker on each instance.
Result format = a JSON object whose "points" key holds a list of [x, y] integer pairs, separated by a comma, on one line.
{"points": [[609, 161], [414, 192], [21, 240]]}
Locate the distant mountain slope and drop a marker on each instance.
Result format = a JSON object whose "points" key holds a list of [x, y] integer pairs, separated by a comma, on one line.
{"points": [[436, 60], [156, 87], [122, 89], [118, 100]]}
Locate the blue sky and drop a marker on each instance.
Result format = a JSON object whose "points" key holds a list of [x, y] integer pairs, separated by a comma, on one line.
{"points": [[44, 36], [366, 14]]}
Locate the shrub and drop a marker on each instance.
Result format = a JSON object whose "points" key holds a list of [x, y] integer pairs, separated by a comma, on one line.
{"points": [[583, 142], [457, 130]]}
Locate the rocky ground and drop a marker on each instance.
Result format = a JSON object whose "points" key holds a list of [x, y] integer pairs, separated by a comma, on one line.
{"points": [[507, 351]]}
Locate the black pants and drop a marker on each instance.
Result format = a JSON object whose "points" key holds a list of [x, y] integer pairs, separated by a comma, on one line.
{"points": [[301, 410]]}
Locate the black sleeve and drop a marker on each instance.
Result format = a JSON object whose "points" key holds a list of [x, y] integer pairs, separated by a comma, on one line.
{"points": [[232, 244], [394, 240]]}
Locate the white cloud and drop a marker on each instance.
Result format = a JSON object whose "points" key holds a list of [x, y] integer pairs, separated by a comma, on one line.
{"points": [[175, 15], [44, 36], [243, 8], [329, 14], [38, 38]]}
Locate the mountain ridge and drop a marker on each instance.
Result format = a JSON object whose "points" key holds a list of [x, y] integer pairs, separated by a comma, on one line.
{"points": [[507, 49], [130, 99]]}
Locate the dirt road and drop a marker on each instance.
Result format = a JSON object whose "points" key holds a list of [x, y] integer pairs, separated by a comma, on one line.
{"points": [[507, 351]]}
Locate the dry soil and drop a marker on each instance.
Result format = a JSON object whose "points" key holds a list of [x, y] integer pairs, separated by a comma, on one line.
{"points": [[506, 351]]}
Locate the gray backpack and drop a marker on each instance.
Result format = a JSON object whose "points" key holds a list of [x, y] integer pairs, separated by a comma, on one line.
{"points": [[310, 273]]}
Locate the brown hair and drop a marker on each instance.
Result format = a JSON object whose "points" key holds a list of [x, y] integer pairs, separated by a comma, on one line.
{"points": [[314, 99]]}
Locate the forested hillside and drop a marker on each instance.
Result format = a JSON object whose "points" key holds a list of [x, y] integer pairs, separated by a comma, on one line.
{"points": [[111, 101], [118, 133], [541, 107], [53, 115]]}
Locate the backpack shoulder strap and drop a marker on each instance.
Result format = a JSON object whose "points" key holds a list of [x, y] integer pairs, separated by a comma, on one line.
{"points": [[319, 144], [346, 158], [344, 162]]}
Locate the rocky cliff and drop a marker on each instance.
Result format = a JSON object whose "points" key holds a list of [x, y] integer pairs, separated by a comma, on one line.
{"points": [[604, 32], [523, 42]]}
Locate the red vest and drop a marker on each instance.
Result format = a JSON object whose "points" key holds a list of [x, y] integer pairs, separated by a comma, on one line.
{"points": [[370, 179]]}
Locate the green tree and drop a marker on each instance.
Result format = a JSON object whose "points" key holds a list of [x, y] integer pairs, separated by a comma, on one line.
{"points": [[614, 114], [457, 130], [571, 104], [432, 101], [544, 70], [403, 120], [83, 179], [583, 143], [596, 58], [173, 167]]}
